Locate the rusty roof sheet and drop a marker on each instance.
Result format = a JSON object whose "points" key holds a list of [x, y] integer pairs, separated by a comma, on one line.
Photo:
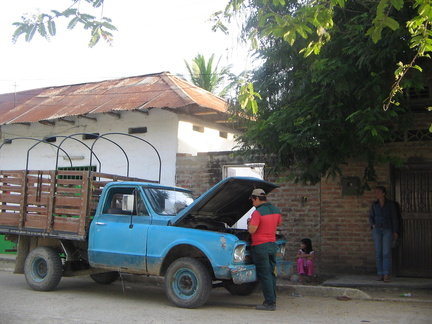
{"points": [[161, 90]]}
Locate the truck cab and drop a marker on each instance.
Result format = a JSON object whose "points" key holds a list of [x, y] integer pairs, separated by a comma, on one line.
{"points": [[125, 212]]}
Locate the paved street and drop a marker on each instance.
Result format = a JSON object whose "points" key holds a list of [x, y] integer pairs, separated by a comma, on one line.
{"points": [[80, 300]]}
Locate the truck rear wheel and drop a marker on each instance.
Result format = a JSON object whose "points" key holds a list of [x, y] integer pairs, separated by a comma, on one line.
{"points": [[43, 268], [105, 277], [188, 283]]}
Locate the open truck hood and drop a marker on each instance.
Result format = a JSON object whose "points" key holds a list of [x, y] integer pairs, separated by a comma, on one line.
{"points": [[226, 202]]}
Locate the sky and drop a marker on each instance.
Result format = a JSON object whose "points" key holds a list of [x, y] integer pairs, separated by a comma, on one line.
{"points": [[152, 37]]}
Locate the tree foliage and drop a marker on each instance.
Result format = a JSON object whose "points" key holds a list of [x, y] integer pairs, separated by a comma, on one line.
{"points": [[45, 23], [314, 21], [207, 75], [318, 111]]}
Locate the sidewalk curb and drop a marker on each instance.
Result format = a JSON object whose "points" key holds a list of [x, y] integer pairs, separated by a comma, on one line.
{"points": [[321, 291]]}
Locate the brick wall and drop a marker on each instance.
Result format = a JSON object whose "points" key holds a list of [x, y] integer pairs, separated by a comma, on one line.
{"points": [[199, 173], [346, 238], [300, 208], [336, 223]]}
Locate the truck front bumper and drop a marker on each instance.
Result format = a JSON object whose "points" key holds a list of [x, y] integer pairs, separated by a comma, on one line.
{"points": [[244, 274], [247, 273]]}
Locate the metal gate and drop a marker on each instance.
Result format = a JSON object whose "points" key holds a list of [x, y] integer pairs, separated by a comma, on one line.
{"points": [[413, 192]]}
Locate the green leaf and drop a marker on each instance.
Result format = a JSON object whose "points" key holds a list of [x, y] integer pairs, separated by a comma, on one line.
{"points": [[30, 32], [382, 6], [390, 22], [417, 67], [51, 27], [94, 40], [247, 99], [109, 26], [398, 4], [279, 20], [290, 37], [18, 32], [42, 30], [69, 12], [87, 17], [375, 33], [340, 3], [303, 33], [96, 3], [254, 106], [73, 23], [262, 19]]}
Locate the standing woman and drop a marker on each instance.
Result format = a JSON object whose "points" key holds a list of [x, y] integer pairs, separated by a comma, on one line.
{"points": [[384, 223]]}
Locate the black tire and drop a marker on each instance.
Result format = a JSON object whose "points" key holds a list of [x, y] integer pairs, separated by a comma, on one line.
{"points": [[106, 277], [240, 290], [43, 268], [188, 283]]}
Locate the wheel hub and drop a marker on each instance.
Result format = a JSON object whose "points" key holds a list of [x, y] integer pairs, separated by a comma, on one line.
{"points": [[40, 268], [187, 283]]}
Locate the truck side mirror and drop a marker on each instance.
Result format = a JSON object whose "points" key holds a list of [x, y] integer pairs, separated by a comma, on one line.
{"points": [[128, 203]]}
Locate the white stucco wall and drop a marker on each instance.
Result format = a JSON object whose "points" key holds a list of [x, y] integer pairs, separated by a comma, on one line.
{"points": [[162, 130], [192, 142]]}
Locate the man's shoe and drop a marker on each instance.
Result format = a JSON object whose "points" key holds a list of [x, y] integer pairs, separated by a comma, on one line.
{"points": [[266, 307]]}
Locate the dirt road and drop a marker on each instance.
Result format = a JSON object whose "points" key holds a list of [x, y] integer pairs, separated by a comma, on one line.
{"points": [[80, 300]]}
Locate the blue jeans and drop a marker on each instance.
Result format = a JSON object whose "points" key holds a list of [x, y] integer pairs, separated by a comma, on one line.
{"points": [[383, 239], [264, 258]]}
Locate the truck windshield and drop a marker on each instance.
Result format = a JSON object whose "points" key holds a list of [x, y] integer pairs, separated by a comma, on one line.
{"points": [[168, 202]]}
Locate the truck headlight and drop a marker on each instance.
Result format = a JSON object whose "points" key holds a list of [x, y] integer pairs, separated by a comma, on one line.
{"points": [[239, 253]]}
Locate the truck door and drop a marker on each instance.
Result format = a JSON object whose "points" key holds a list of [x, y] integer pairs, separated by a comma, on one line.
{"points": [[118, 237]]}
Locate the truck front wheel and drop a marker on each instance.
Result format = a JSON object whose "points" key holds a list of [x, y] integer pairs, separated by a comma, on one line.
{"points": [[188, 283], [43, 268]]}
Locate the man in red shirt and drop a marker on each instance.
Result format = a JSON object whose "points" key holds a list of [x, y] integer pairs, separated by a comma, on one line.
{"points": [[263, 225]]}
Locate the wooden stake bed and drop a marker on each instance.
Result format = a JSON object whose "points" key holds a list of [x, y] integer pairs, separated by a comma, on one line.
{"points": [[58, 204]]}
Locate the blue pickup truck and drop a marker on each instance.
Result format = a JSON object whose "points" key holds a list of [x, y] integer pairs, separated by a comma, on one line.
{"points": [[70, 223]]}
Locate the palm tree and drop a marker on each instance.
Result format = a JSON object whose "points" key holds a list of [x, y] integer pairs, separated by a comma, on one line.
{"points": [[204, 75]]}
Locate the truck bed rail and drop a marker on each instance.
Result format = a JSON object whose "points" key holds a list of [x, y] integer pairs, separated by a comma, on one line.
{"points": [[46, 203]]}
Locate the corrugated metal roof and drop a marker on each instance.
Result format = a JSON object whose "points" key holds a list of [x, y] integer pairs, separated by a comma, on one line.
{"points": [[161, 90]]}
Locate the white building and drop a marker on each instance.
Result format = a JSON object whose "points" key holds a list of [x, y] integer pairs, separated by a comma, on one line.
{"points": [[171, 116]]}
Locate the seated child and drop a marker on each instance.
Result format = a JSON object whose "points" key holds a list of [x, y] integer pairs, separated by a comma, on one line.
{"points": [[305, 260]]}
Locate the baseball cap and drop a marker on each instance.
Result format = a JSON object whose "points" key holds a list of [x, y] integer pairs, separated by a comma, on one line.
{"points": [[258, 192]]}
